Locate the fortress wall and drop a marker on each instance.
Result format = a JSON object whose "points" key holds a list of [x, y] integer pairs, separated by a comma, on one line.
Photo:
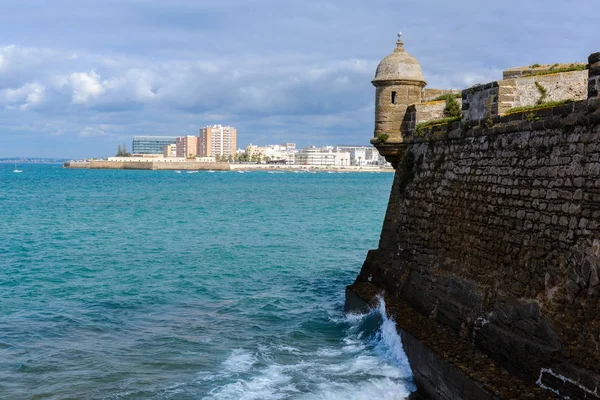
{"points": [[76, 164], [524, 92], [429, 111], [101, 164], [496, 98], [495, 233], [480, 102], [145, 165], [191, 165], [519, 72], [430, 94], [150, 165], [423, 112], [594, 75]]}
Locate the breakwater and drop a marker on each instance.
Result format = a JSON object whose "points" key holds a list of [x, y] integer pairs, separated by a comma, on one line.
{"points": [[216, 166], [148, 165]]}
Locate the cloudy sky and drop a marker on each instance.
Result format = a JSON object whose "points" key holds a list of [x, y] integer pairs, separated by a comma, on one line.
{"points": [[78, 77]]}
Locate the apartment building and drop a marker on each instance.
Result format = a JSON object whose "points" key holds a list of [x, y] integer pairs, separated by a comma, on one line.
{"points": [[217, 140], [187, 146]]}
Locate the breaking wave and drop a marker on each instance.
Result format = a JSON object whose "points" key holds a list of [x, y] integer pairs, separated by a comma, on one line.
{"points": [[369, 362]]}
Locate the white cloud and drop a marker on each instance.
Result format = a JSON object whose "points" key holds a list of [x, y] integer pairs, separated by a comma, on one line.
{"points": [[25, 97], [85, 86], [89, 131]]}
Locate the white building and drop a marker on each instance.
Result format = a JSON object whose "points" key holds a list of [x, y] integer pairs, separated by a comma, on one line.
{"points": [[325, 156], [362, 155]]}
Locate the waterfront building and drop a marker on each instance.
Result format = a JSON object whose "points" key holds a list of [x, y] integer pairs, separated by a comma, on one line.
{"points": [[280, 153], [217, 140], [151, 144], [326, 157], [254, 151], [170, 150], [187, 146], [362, 155]]}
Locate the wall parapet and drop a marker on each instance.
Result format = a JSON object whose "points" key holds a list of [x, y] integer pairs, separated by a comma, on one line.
{"points": [[480, 101], [564, 115], [594, 75]]}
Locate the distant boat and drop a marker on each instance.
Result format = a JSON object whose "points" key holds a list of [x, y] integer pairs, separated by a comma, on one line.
{"points": [[240, 172], [16, 169], [177, 172], [192, 172]]}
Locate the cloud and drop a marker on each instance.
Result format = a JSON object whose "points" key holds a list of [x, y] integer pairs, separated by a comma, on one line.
{"points": [[296, 71], [26, 97], [89, 131], [85, 86]]}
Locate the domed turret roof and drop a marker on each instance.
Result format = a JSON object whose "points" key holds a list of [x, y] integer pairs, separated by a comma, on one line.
{"points": [[399, 66]]}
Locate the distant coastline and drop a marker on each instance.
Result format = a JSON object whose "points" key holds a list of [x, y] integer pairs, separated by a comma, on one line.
{"points": [[216, 166]]}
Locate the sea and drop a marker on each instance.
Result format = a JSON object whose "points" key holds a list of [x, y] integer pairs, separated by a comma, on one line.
{"points": [[119, 284]]}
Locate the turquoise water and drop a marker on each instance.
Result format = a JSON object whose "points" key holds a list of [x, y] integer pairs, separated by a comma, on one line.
{"points": [[158, 285]]}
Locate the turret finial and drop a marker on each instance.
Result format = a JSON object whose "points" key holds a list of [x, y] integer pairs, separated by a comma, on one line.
{"points": [[399, 43]]}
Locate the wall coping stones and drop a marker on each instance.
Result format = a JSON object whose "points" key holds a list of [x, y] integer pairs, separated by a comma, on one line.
{"points": [[478, 88], [571, 114]]}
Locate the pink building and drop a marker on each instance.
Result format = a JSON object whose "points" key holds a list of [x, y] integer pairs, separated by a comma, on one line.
{"points": [[187, 146]]}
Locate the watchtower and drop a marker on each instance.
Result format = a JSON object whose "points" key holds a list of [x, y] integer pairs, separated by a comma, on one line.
{"points": [[399, 83]]}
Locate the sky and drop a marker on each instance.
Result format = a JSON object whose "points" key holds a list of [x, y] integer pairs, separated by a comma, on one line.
{"points": [[78, 78]]}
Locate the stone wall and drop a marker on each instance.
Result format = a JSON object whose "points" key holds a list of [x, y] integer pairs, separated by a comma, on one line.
{"points": [[429, 94], [524, 91], [594, 75], [191, 165], [520, 72], [423, 112], [480, 102], [494, 232], [149, 165], [496, 98]]}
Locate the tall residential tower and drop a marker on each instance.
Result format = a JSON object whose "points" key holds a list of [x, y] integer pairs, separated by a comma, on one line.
{"points": [[217, 140]]}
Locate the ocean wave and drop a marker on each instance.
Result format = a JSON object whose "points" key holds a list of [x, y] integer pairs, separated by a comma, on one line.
{"points": [[369, 363]]}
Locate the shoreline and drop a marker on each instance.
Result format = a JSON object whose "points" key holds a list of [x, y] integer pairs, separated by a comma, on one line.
{"points": [[217, 166]]}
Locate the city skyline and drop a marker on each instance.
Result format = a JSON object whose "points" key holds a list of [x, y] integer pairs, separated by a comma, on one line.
{"points": [[294, 72]]}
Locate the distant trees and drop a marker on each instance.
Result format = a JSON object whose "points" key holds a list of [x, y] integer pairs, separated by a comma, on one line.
{"points": [[223, 158], [242, 157], [122, 151]]}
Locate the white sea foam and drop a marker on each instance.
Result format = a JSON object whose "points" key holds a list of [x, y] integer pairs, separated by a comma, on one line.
{"points": [[288, 349], [329, 352], [239, 361], [366, 366], [271, 384], [367, 390], [389, 342]]}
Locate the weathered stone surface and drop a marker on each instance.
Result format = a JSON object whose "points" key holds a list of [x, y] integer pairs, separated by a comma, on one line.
{"points": [[495, 234], [444, 366], [492, 232]]}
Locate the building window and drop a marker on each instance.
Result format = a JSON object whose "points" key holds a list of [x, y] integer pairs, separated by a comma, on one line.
{"points": [[393, 97]]}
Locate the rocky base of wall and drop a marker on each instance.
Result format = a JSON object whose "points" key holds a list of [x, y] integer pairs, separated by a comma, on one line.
{"points": [[444, 366]]}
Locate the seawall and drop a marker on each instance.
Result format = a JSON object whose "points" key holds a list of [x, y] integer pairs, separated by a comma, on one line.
{"points": [[148, 165], [492, 236], [223, 166]]}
